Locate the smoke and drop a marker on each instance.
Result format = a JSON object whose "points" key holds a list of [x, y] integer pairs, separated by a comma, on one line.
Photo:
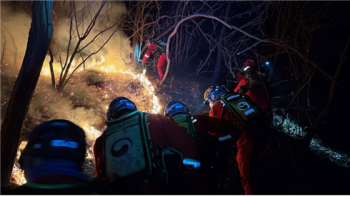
{"points": [[78, 101]]}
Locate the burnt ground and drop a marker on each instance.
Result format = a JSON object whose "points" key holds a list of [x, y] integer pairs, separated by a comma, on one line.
{"points": [[284, 169]]}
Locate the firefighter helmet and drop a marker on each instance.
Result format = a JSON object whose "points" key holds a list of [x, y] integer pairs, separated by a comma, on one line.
{"points": [[56, 139], [214, 92], [119, 106], [174, 108], [248, 65]]}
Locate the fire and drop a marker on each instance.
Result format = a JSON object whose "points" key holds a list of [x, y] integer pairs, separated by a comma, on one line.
{"points": [[92, 131], [18, 175], [17, 172], [149, 87]]}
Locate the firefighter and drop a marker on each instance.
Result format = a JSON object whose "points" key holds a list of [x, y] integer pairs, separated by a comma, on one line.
{"points": [[252, 135], [138, 147], [207, 131], [158, 48], [197, 124], [251, 85], [52, 161]]}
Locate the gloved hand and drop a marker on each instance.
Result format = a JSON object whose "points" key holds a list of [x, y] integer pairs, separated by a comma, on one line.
{"points": [[242, 90]]}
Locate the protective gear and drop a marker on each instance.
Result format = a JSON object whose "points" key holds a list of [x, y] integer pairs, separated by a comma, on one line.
{"points": [[127, 146], [160, 48], [253, 90], [247, 66], [214, 92], [250, 116], [175, 107], [120, 106], [178, 112], [185, 121], [56, 139], [254, 136]]}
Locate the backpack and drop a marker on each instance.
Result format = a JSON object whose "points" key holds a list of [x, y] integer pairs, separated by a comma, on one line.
{"points": [[253, 80], [161, 46], [129, 152], [250, 116], [185, 121]]}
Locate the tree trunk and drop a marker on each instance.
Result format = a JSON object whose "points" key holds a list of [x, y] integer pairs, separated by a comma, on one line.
{"points": [[40, 35], [217, 69]]}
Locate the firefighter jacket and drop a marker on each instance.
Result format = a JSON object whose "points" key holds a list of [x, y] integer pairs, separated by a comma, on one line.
{"points": [[255, 94], [158, 47]]}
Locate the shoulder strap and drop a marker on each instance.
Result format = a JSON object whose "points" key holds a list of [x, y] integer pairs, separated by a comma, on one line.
{"points": [[185, 121]]}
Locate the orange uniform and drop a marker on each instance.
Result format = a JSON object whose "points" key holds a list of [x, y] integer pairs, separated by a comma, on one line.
{"points": [[162, 59], [244, 144], [257, 95]]}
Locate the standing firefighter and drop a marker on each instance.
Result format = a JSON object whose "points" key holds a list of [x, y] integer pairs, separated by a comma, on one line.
{"points": [[251, 85], [158, 48], [253, 132], [144, 152]]}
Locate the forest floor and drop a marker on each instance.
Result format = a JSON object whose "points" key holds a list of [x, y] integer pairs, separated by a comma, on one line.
{"points": [[285, 169]]}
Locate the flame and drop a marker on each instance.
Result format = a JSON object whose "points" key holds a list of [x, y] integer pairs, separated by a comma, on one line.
{"points": [[18, 175], [149, 87], [92, 131]]}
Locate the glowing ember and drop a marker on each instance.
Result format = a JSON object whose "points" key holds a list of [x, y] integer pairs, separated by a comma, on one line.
{"points": [[92, 131], [17, 172], [18, 175]]}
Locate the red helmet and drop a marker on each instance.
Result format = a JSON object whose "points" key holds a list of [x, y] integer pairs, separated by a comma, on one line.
{"points": [[247, 66]]}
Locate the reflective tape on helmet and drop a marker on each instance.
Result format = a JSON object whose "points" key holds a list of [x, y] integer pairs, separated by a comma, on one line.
{"points": [[246, 68], [147, 56], [193, 162], [223, 138], [64, 143]]}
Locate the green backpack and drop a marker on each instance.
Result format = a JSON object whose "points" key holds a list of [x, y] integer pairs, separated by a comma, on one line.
{"points": [[129, 151], [249, 115], [161, 46], [185, 121]]}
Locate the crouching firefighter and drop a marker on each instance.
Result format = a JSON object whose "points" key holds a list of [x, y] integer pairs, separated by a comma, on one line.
{"points": [[254, 133], [143, 153], [158, 49], [206, 131]]}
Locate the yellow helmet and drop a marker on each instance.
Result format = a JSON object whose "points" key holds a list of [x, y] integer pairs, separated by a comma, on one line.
{"points": [[206, 93]]}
